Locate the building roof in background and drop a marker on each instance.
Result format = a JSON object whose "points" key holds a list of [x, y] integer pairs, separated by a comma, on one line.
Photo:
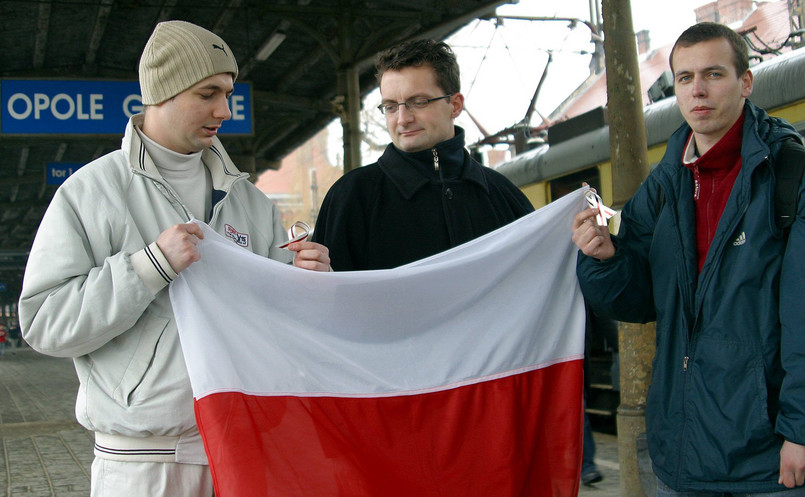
{"points": [[766, 26]]}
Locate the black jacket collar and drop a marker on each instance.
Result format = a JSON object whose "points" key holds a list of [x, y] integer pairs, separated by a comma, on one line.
{"points": [[411, 171]]}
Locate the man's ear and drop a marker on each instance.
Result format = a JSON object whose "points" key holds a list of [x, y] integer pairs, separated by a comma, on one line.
{"points": [[457, 104], [747, 83]]}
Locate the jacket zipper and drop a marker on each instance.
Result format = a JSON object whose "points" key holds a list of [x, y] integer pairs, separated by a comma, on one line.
{"points": [[720, 248], [688, 303], [435, 160], [688, 299], [168, 192], [699, 290]]}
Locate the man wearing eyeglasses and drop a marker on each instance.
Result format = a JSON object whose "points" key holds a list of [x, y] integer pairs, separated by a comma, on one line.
{"points": [[425, 194]]}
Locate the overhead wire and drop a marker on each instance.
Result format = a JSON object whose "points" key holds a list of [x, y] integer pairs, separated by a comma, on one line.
{"points": [[483, 59]]}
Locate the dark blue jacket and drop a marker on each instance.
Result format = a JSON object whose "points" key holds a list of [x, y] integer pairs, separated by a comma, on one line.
{"points": [[728, 379]]}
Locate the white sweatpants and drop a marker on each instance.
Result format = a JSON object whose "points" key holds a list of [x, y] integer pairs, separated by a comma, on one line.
{"points": [[149, 479]]}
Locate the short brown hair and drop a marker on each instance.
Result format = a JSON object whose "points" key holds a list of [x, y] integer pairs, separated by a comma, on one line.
{"points": [[706, 31], [417, 53]]}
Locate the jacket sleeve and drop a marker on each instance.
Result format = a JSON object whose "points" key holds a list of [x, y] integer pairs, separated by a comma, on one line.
{"points": [[279, 235], [79, 291], [342, 225], [506, 191], [620, 287], [791, 419]]}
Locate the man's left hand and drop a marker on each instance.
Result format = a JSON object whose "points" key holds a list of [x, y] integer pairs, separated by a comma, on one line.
{"points": [[792, 464], [310, 255]]}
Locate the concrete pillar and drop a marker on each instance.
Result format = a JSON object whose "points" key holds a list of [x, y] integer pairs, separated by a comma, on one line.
{"points": [[629, 168], [351, 117]]}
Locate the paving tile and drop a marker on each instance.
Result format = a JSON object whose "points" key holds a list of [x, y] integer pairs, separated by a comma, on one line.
{"points": [[606, 458], [43, 450]]}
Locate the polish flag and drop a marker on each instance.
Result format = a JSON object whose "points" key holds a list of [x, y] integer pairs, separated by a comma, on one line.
{"points": [[456, 375]]}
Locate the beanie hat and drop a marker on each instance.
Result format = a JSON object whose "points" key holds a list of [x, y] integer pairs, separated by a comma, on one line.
{"points": [[177, 56]]}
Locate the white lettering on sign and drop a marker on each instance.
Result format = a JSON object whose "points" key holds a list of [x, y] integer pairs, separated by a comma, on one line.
{"points": [[25, 100], [237, 107], [133, 104], [61, 106], [61, 173], [41, 102]]}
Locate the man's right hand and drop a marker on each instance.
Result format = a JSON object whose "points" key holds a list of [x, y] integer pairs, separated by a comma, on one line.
{"points": [[593, 240], [179, 245]]}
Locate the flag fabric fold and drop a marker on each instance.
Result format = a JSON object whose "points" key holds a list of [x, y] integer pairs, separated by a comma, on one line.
{"points": [[456, 375]]}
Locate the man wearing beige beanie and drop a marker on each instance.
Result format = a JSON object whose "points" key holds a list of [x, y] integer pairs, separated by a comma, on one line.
{"points": [[115, 234]]}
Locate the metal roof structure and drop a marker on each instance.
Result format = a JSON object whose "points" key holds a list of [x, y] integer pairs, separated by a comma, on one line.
{"points": [[298, 82]]}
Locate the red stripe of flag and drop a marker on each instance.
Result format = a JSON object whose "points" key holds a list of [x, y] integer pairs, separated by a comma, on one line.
{"points": [[519, 435]]}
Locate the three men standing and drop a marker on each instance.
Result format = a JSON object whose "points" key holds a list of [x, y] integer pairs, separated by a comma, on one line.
{"points": [[698, 251]]}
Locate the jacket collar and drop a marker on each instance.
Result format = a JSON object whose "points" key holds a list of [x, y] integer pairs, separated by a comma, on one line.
{"points": [[222, 170], [760, 131], [411, 171]]}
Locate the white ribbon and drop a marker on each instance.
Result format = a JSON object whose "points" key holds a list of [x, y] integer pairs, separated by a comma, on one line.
{"points": [[296, 233], [604, 212]]}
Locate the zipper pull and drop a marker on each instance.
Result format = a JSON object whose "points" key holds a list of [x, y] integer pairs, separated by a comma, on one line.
{"points": [[435, 160], [685, 363], [696, 182]]}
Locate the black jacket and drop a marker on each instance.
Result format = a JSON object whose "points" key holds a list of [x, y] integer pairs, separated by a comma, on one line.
{"points": [[401, 209]]}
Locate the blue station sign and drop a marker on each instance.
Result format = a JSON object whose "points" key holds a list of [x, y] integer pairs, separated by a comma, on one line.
{"points": [[74, 107]]}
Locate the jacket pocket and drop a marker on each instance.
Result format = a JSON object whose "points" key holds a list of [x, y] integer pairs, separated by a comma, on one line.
{"points": [[730, 436], [120, 365]]}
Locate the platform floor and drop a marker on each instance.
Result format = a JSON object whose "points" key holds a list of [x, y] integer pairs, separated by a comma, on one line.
{"points": [[44, 452]]}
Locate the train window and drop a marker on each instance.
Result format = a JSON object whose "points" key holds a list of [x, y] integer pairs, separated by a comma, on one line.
{"points": [[572, 182]]}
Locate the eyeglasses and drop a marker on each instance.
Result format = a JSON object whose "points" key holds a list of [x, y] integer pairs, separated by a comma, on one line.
{"points": [[412, 104]]}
